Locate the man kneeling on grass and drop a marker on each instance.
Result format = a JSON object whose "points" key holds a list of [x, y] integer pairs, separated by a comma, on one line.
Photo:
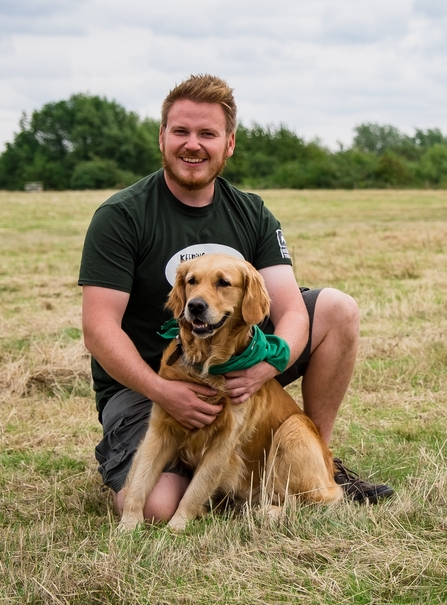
{"points": [[134, 243]]}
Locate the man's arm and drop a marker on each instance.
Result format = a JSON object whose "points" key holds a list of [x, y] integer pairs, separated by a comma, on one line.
{"points": [[102, 313], [288, 311], [290, 318]]}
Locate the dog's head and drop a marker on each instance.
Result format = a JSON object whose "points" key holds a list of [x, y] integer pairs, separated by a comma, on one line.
{"points": [[214, 290]]}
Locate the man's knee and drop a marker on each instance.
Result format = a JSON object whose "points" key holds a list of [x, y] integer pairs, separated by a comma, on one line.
{"points": [[338, 306], [165, 497], [163, 501], [336, 312]]}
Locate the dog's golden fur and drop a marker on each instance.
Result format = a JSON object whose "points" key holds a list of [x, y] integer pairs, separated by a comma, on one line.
{"points": [[267, 436]]}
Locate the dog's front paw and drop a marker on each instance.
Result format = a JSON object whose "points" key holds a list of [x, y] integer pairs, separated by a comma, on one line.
{"points": [[177, 523], [274, 513], [129, 522]]}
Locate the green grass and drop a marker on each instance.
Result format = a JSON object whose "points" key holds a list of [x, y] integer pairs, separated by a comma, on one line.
{"points": [[57, 529]]}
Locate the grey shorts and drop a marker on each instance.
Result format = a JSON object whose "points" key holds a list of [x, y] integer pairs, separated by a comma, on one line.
{"points": [[126, 415]]}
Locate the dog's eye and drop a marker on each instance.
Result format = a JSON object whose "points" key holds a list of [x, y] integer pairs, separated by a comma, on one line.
{"points": [[191, 281], [223, 283]]}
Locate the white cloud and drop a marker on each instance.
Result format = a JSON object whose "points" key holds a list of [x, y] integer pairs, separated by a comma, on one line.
{"points": [[42, 17], [318, 66], [432, 8]]}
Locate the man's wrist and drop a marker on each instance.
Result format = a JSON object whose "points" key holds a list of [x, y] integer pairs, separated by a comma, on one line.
{"points": [[270, 369], [154, 387]]}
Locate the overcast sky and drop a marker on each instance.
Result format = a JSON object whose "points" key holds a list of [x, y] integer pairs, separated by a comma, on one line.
{"points": [[320, 67]]}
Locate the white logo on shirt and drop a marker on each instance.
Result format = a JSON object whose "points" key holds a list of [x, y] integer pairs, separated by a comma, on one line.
{"points": [[193, 251], [282, 244]]}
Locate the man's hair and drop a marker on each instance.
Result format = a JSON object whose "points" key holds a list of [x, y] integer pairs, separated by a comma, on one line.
{"points": [[203, 88]]}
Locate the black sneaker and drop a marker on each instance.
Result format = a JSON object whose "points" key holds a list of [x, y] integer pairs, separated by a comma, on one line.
{"points": [[358, 490]]}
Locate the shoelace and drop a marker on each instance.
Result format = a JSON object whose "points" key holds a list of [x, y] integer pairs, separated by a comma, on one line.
{"points": [[343, 472]]}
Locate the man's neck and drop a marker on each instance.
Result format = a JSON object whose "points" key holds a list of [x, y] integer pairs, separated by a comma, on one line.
{"points": [[198, 199]]}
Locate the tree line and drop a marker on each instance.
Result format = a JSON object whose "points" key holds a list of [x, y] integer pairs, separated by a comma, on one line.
{"points": [[89, 142]]}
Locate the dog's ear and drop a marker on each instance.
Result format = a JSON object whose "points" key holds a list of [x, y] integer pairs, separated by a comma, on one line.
{"points": [[256, 301], [177, 299]]}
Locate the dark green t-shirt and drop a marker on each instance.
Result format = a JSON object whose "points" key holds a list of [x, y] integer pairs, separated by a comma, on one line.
{"points": [[138, 237]]}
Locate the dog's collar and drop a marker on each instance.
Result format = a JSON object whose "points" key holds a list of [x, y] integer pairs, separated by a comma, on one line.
{"points": [[263, 347]]}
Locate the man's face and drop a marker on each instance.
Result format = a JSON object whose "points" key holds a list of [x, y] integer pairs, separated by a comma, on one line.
{"points": [[194, 143]]}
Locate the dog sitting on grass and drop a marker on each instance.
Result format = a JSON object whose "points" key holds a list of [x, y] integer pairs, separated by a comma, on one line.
{"points": [[218, 300]]}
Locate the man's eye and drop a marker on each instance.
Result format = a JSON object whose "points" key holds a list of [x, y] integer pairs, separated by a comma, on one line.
{"points": [[223, 283]]}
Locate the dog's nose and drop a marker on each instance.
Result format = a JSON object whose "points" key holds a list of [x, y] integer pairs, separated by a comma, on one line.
{"points": [[197, 306]]}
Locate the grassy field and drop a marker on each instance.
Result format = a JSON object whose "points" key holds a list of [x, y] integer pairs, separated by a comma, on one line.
{"points": [[57, 529]]}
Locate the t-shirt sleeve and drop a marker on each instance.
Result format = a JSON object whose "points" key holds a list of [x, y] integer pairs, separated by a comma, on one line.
{"points": [[271, 248], [109, 253]]}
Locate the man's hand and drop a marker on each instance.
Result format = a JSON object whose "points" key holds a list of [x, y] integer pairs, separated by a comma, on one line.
{"points": [[240, 385], [103, 310], [180, 400]]}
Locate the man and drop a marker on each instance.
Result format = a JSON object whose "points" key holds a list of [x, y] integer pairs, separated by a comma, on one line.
{"points": [[133, 245]]}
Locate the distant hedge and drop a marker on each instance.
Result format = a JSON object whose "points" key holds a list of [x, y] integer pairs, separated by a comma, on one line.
{"points": [[89, 142]]}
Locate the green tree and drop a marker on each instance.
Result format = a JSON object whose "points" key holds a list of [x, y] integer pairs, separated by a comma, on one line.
{"points": [[95, 174], [355, 169], [392, 171], [429, 138], [433, 166], [261, 152], [377, 139], [60, 136]]}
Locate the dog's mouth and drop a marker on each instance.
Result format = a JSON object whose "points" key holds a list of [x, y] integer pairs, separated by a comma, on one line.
{"points": [[200, 328]]}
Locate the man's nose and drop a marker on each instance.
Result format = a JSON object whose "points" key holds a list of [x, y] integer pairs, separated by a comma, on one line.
{"points": [[193, 142]]}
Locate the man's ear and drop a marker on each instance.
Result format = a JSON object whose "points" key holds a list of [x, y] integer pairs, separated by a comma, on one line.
{"points": [[231, 143], [160, 138], [256, 301]]}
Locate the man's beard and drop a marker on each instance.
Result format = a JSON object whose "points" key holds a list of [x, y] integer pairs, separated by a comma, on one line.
{"points": [[192, 183]]}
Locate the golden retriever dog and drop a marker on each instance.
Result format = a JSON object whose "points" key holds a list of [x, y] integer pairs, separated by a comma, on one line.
{"points": [[217, 299]]}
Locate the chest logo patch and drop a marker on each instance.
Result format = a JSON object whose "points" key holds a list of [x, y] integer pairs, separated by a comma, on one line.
{"points": [[197, 250]]}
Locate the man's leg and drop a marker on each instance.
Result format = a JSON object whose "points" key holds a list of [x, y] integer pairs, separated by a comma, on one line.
{"points": [[334, 342], [335, 334], [326, 366]]}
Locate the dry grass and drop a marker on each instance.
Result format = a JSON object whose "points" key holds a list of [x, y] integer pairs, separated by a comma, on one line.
{"points": [[57, 531]]}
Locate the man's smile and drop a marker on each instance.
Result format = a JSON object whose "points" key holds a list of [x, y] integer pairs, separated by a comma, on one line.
{"points": [[193, 160]]}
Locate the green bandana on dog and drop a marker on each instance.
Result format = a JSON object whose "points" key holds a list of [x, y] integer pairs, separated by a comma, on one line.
{"points": [[263, 347]]}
